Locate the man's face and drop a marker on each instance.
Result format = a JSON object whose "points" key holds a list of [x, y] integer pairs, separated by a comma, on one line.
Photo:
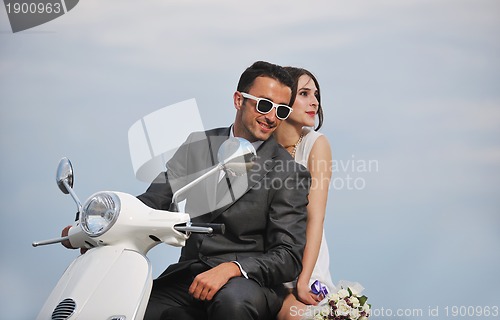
{"points": [[251, 124]]}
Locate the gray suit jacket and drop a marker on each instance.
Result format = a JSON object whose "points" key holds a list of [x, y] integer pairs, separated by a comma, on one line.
{"points": [[266, 222]]}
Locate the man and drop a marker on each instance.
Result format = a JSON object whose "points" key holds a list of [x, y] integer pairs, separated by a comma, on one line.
{"points": [[238, 274]]}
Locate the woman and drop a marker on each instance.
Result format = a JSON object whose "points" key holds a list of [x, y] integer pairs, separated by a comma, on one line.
{"points": [[312, 149]]}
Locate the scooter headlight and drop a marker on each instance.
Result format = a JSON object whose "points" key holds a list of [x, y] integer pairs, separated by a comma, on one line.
{"points": [[99, 213]]}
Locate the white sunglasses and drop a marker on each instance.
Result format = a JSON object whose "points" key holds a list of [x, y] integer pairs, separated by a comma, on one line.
{"points": [[265, 106]]}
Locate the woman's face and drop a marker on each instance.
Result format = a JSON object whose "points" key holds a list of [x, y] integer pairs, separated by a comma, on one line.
{"points": [[306, 103]]}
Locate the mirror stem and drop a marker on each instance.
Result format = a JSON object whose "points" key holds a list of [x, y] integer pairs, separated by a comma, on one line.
{"points": [[173, 205], [73, 195]]}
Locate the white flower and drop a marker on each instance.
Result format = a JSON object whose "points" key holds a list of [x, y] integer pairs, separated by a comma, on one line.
{"points": [[354, 301], [354, 314], [356, 288], [362, 318], [333, 297], [325, 311], [317, 317], [343, 293], [366, 308], [343, 308]]}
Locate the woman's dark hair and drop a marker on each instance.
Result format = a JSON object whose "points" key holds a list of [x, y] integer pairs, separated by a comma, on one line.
{"points": [[296, 73], [265, 69]]}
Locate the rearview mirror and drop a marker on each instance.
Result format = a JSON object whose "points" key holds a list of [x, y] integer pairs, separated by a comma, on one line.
{"points": [[64, 173], [236, 155]]}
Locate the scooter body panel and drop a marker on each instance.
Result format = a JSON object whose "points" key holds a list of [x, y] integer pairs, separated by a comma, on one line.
{"points": [[106, 281]]}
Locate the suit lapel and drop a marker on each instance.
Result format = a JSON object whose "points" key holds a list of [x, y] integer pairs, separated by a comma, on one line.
{"points": [[215, 140], [241, 185]]}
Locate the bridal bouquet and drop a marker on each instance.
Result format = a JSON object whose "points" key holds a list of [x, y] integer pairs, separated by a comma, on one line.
{"points": [[345, 304]]}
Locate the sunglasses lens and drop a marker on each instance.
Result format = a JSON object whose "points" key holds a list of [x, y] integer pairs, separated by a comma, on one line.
{"points": [[264, 106], [282, 112]]}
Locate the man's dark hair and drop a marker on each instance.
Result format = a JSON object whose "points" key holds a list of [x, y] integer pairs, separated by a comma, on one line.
{"points": [[266, 69], [296, 73]]}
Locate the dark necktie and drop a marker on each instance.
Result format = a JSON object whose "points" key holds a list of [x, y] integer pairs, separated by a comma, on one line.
{"points": [[224, 185]]}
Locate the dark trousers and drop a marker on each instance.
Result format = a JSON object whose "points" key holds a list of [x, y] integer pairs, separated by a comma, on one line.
{"points": [[240, 298]]}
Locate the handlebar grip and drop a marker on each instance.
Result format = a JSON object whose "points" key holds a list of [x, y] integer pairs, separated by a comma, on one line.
{"points": [[218, 228]]}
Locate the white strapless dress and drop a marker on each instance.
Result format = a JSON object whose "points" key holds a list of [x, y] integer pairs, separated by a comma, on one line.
{"points": [[321, 270]]}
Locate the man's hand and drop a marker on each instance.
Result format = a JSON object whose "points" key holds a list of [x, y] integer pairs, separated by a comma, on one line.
{"points": [[207, 284], [64, 233], [67, 244]]}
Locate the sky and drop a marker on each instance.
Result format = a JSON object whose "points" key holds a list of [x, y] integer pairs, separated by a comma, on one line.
{"points": [[411, 96]]}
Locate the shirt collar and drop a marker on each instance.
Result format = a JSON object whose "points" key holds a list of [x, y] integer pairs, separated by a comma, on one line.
{"points": [[256, 144]]}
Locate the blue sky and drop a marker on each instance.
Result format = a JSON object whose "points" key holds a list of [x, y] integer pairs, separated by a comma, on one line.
{"points": [[413, 85]]}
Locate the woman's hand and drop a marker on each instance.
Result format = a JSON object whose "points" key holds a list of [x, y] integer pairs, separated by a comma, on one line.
{"points": [[305, 295]]}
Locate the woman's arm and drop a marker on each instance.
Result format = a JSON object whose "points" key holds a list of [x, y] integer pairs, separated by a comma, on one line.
{"points": [[320, 167]]}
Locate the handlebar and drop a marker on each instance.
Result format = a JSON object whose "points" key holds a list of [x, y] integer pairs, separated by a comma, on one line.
{"points": [[209, 228], [51, 241]]}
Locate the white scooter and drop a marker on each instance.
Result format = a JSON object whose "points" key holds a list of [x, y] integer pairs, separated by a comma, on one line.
{"points": [[113, 279]]}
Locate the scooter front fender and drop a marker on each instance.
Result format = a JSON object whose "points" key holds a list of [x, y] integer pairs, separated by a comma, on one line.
{"points": [[105, 283]]}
